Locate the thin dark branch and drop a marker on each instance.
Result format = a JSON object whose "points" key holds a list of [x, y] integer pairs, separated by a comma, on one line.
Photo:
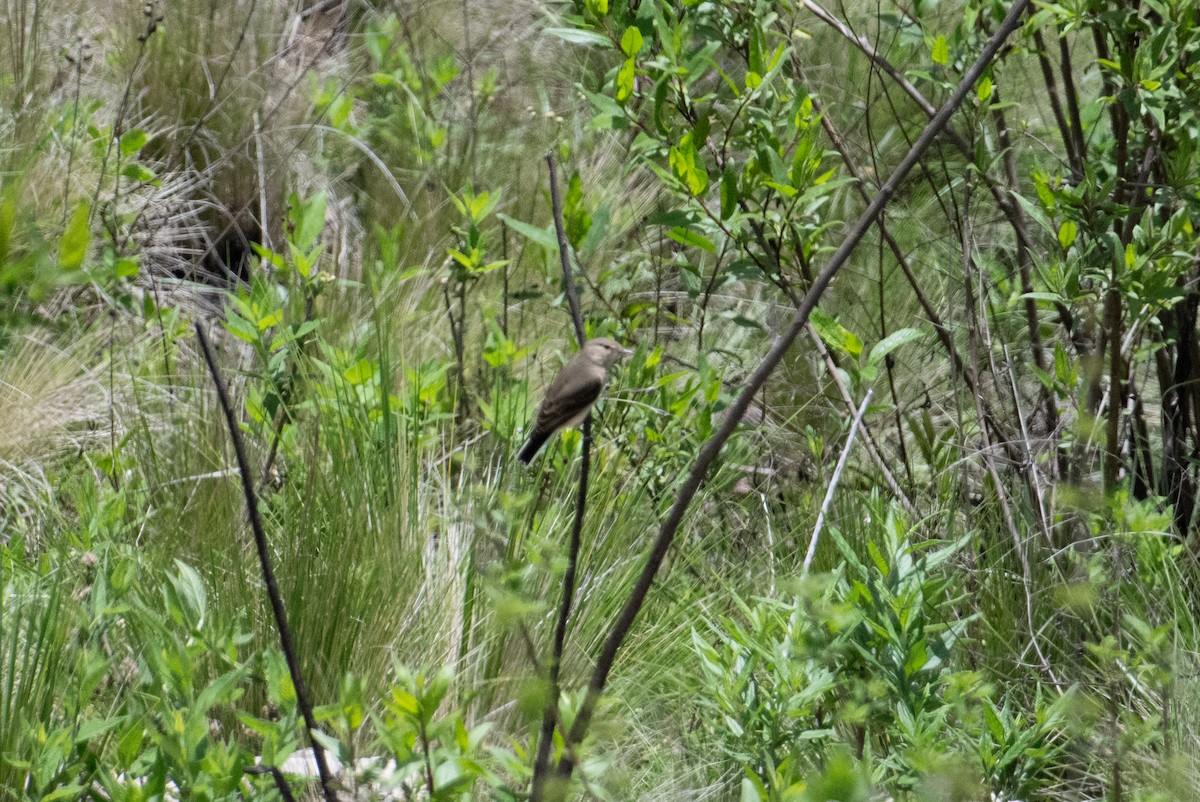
{"points": [[564, 253], [550, 717], [756, 380], [264, 559], [1051, 85], [276, 775]]}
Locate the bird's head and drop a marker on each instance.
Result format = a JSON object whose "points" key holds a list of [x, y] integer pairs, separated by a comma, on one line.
{"points": [[604, 351]]}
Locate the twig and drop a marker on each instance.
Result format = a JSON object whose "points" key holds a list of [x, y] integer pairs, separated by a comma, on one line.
{"points": [[276, 775], [541, 766], [833, 483], [756, 380], [264, 559], [564, 253]]}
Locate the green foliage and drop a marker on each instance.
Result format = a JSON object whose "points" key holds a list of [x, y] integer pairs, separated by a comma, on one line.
{"points": [[862, 662]]}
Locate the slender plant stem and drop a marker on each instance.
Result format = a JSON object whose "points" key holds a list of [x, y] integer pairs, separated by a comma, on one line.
{"points": [[564, 253], [264, 559], [833, 483], [756, 380], [541, 766], [868, 442]]}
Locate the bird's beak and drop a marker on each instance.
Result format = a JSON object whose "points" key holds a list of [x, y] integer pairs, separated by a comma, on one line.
{"points": [[627, 351]]}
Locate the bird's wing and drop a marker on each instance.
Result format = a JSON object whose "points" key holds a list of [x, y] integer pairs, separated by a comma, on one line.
{"points": [[567, 397]]}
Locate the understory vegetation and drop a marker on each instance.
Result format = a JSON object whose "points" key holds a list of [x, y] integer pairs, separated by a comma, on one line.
{"points": [[917, 489]]}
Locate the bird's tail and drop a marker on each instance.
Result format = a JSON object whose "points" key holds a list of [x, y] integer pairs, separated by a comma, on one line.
{"points": [[531, 447]]}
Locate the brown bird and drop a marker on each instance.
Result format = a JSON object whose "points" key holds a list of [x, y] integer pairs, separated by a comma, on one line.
{"points": [[572, 393]]}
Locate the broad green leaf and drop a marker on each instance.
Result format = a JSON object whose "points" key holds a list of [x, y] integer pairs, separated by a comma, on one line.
{"points": [[834, 334], [631, 41], [1052, 297], [984, 90], [308, 218], [360, 372], [741, 320], [90, 728], [687, 166], [892, 342], [72, 248], [222, 690], [241, 328], [138, 173], [1066, 234], [687, 236], [132, 141], [625, 80], [273, 319], [581, 37], [729, 193], [753, 789], [941, 51], [542, 236]]}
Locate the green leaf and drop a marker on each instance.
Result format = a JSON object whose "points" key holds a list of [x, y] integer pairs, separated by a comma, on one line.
{"points": [[631, 41], [834, 334], [941, 51], [753, 789], [221, 690], [1052, 297], [984, 90], [130, 744], [92, 727], [308, 219], [72, 248], [741, 320], [241, 328], [138, 173], [625, 80], [1066, 234], [686, 236], [686, 165], [360, 372], [542, 236], [132, 141], [267, 321], [577, 36], [729, 193], [892, 342]]}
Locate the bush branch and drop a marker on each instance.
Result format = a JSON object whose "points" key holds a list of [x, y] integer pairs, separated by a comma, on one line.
{"points": [[541, 766], [264, 559]]}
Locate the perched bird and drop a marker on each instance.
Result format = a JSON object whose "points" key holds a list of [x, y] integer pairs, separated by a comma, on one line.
{"points": [[573, 391]]}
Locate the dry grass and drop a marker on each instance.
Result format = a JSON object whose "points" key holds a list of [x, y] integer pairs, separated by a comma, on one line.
{"points": [[56, 400]]}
